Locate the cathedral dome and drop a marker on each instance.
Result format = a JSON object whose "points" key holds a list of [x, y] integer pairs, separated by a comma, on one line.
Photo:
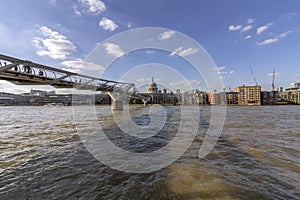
{"points": [[152, 85], [152, 88]]}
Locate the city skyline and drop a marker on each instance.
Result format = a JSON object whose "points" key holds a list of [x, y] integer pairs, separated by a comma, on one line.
{"points": [[264, 35]]}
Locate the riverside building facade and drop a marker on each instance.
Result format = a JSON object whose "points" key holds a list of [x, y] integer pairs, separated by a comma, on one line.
{"points": [[249, 95]]}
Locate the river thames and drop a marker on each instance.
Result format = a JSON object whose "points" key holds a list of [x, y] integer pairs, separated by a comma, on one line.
{"points": [[256, 157]]}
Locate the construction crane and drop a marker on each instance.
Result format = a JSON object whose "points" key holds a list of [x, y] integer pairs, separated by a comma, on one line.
{"points": [[253, 75], [273, 82]]}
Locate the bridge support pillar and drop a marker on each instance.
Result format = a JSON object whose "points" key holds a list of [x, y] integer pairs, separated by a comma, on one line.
{"points": [[145, 102], [117, 100], [117, 105]]}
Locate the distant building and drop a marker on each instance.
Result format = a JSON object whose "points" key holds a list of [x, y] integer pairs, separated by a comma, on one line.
{"points": [[179, 96], [53, 98], [223, 98], [39, 97], [269, 97], [188, 98], [295, 85], [39, 93], [232, 98], [157, 97], [291, 96], [152, 91], [152, 88], [102, 98], [214, 98], [201, 98], [280, 89], [249, 95], [7, 98]]}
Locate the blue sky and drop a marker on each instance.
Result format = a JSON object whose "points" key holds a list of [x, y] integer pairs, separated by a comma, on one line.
{"points": [[236, 34]]}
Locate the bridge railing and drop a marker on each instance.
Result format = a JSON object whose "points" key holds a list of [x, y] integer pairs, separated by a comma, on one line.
{"points": [[24, 72]]}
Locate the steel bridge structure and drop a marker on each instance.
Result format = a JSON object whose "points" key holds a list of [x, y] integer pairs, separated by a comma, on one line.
{"points": [[24, 72]]}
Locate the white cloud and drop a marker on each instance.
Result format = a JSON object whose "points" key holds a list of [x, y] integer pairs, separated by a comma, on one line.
{"points": [[246, 28], [141, 80], [226, 72], [275, 39], [184, 52], [268, 41], [288, 15], [114, 49], [189, 51], [185, 84], [53, 44], [72, 70], [263, 28], [94, 6], [166, 35], [276, 74], [248, 37], [64, 90], [53, 2], [108, 24], [57, 49], [219, 70], [234, 27], [283, 35], [50, 33], [18, 89], [78, 64], [77, 12], [250, 21], [13, 89], [146, 80], [240, 26], [176, 51]]}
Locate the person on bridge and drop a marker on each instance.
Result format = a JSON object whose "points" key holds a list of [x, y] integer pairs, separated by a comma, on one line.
{"points": [[29, 70], [41, 73], [25, 68]]}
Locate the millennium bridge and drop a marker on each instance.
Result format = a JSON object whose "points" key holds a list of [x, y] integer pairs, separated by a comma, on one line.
{"points": [[25, 72]]}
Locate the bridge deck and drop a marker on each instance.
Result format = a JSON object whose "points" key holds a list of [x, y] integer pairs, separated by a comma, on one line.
{"points": [[24, 72]]}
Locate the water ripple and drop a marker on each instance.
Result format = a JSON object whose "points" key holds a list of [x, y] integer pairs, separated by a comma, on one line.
{"points": [[257, 157]]}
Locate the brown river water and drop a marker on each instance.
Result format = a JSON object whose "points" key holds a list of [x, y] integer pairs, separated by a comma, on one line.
{"points": [[256, 157]]}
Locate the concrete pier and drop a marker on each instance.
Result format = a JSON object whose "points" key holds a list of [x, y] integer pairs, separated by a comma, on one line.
{"points": [[117, 105], [117, 100], [145, 101]]}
